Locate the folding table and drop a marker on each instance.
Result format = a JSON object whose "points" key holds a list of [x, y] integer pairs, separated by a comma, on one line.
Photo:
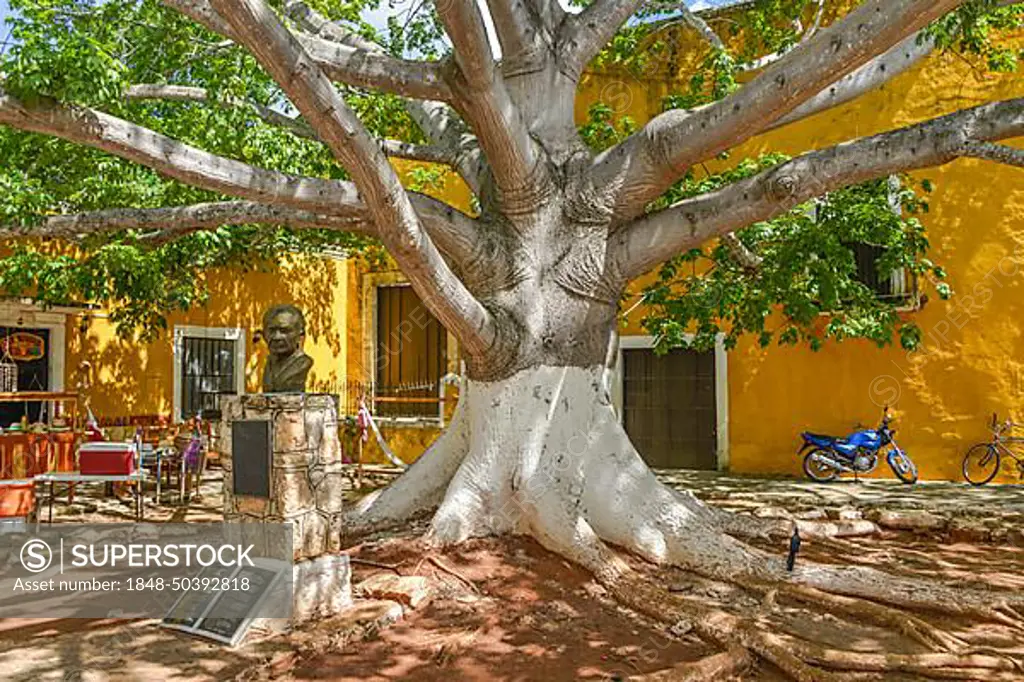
{"points": [[72, 478]]}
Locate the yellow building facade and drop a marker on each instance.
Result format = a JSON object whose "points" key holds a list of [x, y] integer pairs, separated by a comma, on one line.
{"points": [[971, 365]]}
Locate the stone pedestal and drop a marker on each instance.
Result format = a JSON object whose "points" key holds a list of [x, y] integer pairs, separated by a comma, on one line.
{"points": [[305, 491]]}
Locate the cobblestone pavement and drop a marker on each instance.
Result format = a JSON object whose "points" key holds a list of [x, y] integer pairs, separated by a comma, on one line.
{"points": [[743, 493], [735, 493]]}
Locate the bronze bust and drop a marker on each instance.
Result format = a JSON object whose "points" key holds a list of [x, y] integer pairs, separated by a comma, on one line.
{"points": [[284, 329]]}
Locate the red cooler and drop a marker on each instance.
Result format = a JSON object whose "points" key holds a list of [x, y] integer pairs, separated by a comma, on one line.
{"points": [[107, 459]]}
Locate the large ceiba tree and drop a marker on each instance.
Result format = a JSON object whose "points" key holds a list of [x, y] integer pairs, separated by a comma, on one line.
{"points": [[530, 284]]}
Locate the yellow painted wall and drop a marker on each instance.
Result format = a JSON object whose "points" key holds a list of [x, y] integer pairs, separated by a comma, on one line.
{"points": [[132, 378], [972, 362]]}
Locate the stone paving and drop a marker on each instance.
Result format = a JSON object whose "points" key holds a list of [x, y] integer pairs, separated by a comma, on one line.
{"points": [[947, 512], [735, 493], [742, 493], [96, 651]]}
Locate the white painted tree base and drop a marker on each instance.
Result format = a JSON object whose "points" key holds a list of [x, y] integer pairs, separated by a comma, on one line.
{"points": [[543, 453]]}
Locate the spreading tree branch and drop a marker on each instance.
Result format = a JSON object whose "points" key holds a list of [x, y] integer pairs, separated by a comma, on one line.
{"points": [[875, 73], [296, 126], [398, 226], [177, 160], [174, 221], [428, 153], [702, 27], [356, 66], [743, 255], [649, 161], [1000, 153], [486, 105], [188, 93], [586, 34], [440, 123], [549, 16], [436, 119], [655, 238], [455, 233], [880, 70], [517, 28]]}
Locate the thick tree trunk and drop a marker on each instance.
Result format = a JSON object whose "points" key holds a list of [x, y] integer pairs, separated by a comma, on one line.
{"points": [[543, 453], [531, 286]]}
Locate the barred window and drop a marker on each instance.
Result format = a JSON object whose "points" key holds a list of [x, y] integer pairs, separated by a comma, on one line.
{"points": [[207, 370], [412, 355], [896, 286]]}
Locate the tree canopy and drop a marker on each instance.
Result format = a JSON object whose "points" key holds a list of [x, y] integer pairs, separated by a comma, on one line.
{"points": [[164, 139], [147, 63]]}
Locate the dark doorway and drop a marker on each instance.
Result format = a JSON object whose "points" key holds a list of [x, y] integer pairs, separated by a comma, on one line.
{"points": [[412, 354], [30, 349], [668, 404]]}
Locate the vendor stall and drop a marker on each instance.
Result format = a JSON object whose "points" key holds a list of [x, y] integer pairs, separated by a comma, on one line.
{"points": [[27, 449]]}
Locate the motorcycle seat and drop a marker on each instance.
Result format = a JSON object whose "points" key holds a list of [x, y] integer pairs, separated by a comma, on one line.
{"points": [[841, 445], [821, 437]]}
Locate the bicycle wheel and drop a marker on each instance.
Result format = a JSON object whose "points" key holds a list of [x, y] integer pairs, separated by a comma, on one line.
{"points": [[981, 464]]}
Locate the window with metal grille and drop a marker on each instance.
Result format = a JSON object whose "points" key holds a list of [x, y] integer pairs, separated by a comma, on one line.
{"points": [[897, 286], [412, 355], [207, 371]]}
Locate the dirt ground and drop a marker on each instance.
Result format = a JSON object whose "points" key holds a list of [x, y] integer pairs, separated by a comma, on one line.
{"points": [[537, 617], [517, 613]]}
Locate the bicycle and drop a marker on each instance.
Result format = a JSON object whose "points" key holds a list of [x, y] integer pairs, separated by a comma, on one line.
{"points": [[982, 461]]}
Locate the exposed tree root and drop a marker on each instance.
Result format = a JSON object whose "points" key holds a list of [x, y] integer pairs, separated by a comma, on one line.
{"points": [[452, 572], [837, 529], [421, 487], [922, 665], [545, 455], [905, 623], [714, 625], [803, 660], [915, 594], [715, 667]]}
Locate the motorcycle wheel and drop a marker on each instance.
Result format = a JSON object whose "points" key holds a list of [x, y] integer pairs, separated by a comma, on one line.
{"points": [[903, 467], [817, 470]]}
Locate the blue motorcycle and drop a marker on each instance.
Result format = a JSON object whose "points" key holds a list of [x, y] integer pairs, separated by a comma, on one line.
{"points": [[857, 454]]}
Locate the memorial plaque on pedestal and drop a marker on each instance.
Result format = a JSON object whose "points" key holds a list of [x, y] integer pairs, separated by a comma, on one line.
{"points": [[251, 455]]}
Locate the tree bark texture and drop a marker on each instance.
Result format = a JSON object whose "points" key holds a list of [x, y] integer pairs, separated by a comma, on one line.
{"points": [[530, 285]]}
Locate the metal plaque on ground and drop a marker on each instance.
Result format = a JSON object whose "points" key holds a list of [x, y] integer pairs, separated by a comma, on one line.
{"points": [[194, 611]]}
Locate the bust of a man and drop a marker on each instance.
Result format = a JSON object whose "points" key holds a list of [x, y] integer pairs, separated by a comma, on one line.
{"points": [[284, 329]]}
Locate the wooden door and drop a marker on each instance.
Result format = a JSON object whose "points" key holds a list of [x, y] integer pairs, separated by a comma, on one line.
{"points": [[669, 407]]}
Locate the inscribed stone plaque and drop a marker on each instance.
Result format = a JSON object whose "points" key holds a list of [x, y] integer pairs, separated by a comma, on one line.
{"points": [[234, 609]]}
